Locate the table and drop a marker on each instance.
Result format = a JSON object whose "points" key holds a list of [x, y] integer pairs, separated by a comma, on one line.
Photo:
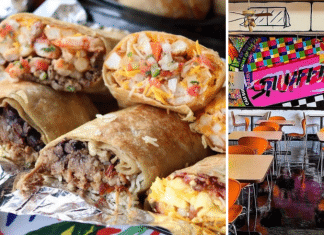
{"points": [[320, 136], [252, 115], [279, 122], [318, 115], [268, 135], [249, 168]]}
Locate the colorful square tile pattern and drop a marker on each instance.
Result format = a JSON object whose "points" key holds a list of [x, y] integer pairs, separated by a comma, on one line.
{"points": [[275, 51]]}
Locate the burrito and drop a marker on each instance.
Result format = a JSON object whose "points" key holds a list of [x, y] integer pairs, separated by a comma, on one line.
{"points": [[111, 160], [65, 56], [195, 9], [195, 194], [32, 115], [211, 123], [163, 70]]}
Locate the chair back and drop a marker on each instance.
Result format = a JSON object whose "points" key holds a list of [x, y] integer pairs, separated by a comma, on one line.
{"points": [[277, 118], [240, 149], [264, 128], [258, 144], [234, 189], [276, 126], [233, 118], [304, 126], [247, 123]]}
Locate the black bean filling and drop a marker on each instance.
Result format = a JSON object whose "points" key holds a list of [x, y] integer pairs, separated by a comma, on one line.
{"points": [[14, 129]]}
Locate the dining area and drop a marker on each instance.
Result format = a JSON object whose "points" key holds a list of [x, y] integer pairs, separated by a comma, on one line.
{"points": [[276, 162]]}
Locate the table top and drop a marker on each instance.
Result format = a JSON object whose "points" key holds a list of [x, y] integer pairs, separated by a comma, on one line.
{"points": [[279, 122], [320, 136], [268, 135], [251, 114], [248, 168], [315, 115]]}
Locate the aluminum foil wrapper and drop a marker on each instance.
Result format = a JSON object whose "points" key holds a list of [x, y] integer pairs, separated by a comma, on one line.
{"points": [[9, 7], [59, 204], [66, 10]]}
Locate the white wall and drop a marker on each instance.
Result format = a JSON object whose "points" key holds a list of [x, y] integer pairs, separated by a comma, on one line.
{"points": [[295, 115]]}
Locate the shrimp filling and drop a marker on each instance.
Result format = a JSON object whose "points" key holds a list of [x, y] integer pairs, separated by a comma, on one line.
{"points": [[19, 141], [170, 72], [47, 54], [83, 171]]}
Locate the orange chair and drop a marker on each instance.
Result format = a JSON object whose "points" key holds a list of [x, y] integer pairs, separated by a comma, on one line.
{"points": [[240, 149], [264, 128], [247, 123], [322, 156], [258, 144], [234, 211], [277, 118], [272, 124], [236, 125]]}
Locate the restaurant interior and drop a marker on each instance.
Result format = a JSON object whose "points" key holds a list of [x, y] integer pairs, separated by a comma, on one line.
{"points": [[275, 117]]}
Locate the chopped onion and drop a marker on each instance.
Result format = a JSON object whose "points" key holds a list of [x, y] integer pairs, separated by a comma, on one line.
{"points": [[178, 47], [172, 84], [166, 47], [113, 61]]}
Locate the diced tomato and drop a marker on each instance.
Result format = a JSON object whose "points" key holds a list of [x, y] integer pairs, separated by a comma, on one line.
{"points": [[129, 67], [181, 64], [9, 67], [155, 82], [193, 90], [43, 65], [204, 60], [156, 50], [25, 64], [144, 67], [5, 30], [166, 73], [60, 63]]}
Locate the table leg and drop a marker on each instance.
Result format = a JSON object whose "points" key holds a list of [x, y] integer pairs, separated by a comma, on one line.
{"points": [[251, 123], [321, 124]]}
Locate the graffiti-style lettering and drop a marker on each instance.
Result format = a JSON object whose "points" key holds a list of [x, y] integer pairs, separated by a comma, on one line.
{"points": [[288, 81]]}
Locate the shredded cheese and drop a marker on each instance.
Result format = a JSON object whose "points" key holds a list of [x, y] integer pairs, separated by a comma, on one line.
{"points": [[139, 84], [198, 48], [125, 85], [160, 95], [150, 140], [27, 22], [16, 45], [195, 70], [146, 89], [128, 74]]}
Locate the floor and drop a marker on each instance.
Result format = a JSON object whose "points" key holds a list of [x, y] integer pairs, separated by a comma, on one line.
{"points": [[297, 199]]}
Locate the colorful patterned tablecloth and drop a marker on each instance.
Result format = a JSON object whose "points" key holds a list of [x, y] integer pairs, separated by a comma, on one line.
{"points": [[11, 224]]}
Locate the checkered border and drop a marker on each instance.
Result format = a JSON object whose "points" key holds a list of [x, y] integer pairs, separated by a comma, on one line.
{"points": [[308, 102]]}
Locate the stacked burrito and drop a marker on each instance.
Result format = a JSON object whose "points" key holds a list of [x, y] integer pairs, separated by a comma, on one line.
{"points": [[161, 82]]}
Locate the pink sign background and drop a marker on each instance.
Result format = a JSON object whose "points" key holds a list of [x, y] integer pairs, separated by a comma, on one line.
{"points": [[281, 97]]}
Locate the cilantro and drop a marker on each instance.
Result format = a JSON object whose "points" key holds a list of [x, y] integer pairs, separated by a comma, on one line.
{"points": [[129, 54], [194, 82], [147, 73], [48, 49]]}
